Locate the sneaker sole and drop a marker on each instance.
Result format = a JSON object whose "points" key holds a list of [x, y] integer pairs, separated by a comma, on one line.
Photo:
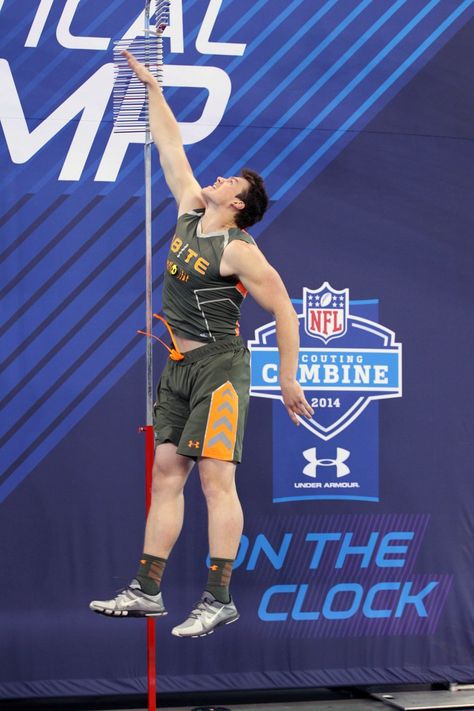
{"points": [[127, 613], [206, 634]]}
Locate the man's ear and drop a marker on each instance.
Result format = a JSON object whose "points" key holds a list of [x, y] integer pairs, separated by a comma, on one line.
{"points": [[238, 204]]}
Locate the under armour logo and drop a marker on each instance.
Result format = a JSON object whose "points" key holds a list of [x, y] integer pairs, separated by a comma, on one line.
{"points": [[194, 444], [312, 457]]}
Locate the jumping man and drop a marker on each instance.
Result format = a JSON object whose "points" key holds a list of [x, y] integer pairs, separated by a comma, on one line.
{"points": [[203, 393]]}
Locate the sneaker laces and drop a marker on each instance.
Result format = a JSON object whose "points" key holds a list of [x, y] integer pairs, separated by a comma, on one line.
{"points": [[201, 606], [124, 593]]}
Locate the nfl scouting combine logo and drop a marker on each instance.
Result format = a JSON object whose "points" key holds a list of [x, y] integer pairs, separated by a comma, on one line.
{"points": [[347, 363]]}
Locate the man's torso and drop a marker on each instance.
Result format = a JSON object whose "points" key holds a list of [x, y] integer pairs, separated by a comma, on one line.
{"points": [[199, 304]]}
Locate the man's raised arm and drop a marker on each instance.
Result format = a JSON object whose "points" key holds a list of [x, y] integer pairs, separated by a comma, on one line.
{"points": [[167, 137]]}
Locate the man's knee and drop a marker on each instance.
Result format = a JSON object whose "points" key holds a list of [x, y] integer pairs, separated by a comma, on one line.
{"points": [[170, 469], [217, 478]]}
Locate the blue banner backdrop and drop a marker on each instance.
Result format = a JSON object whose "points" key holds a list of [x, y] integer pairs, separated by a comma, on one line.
{"points": [[356, 562]]}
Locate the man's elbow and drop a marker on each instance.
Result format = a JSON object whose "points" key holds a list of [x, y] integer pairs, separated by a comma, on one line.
{"points": [[283, 309]]}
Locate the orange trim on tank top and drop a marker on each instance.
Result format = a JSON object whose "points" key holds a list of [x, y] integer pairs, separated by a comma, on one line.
{"points": [[241, 289], [175, 353]]}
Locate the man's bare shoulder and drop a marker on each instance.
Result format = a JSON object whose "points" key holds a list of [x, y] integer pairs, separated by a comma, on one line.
{"points": [[238, 255], [238, 244]]}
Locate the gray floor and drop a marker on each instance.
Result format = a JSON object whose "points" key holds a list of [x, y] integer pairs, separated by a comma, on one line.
{"points": [[424, 700], [408, 701], [409, 698], [340, 705]]}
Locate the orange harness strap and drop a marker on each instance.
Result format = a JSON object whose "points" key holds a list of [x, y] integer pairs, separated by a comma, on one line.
{"points": [[175, 353]]}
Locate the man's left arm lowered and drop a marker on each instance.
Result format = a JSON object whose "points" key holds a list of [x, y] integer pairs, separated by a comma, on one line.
{"points": [[263, 282]]}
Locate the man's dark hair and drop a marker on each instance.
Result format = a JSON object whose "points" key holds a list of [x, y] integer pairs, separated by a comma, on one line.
{"points": [[255, 198]]}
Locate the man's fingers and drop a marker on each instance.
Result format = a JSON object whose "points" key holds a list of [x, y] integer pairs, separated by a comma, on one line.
{"points": [[133, 62], [304, 409], [307, 409], [293, 416], [141, 71]]}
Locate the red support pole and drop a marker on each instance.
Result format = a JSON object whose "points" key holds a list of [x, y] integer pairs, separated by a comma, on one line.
{"points": [[150, 622]]}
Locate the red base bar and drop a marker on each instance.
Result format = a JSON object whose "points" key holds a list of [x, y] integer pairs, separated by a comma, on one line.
{"points": [[151, 662], [150, 623]]}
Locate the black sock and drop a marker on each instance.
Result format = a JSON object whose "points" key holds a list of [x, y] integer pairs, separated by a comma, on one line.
{"points": [[218, 579], [150, 573]]}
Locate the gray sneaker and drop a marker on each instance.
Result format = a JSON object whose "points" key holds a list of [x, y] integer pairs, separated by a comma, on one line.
{"points": [[131, 602], [208, 614]]}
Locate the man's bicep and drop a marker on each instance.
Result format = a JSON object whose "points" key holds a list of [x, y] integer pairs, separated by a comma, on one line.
{"points": [[178, 174], [261, 280], [268, 289]]}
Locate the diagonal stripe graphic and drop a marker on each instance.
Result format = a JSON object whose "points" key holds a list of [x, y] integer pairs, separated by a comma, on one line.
{"points": [[321, 81], [274, 25], [48, 33], [29, 407], [54, 276], [53, 432], [40, 440], [353, 84], [285, 83], [31, 229], [78, 325], [342, 95], [104, 264], [380, 91], [13, 210], [19, 26], [44, 252]]}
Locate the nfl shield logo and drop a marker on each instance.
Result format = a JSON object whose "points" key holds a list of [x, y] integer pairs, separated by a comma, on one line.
{"points": [[325, 312]]}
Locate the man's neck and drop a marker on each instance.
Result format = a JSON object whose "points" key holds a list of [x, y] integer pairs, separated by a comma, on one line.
{"points": [[216, 221]]}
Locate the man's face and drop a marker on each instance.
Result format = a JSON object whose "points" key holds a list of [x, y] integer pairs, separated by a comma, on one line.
{"points": [[225, 190]]}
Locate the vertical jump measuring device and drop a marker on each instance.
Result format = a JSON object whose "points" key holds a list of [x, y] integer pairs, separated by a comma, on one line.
{"points": [[131, 115]]}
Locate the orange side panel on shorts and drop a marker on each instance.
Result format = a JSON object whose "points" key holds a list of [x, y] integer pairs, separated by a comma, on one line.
{"points": [[221, 427]]}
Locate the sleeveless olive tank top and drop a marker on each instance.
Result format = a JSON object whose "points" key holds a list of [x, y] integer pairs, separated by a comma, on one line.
{"points": [[198, 302]]}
